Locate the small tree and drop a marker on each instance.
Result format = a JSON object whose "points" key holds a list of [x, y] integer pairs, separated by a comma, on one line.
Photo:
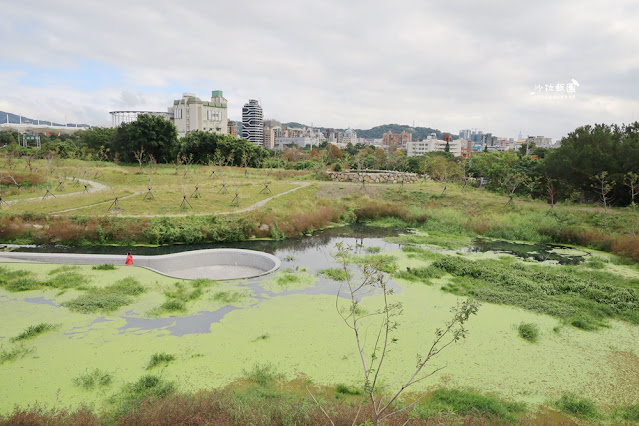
{"points": [[384, 322], [603, 187], [631, 180], [139, 156]]}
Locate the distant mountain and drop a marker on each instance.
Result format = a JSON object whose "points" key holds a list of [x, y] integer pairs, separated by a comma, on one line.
{"points": [[7, 117], [378, 131]]}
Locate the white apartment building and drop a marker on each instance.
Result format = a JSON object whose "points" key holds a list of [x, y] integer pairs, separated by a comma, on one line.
{"points": [[431, 144], [253, 122], [191, 113]]}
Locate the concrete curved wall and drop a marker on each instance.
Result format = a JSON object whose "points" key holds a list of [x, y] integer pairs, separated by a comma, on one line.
{"points": [[215, 264]]}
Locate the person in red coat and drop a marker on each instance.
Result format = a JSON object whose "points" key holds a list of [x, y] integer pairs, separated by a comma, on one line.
{"points": [[129, 259]]}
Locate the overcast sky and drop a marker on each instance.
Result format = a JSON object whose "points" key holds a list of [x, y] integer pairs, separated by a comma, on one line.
{"points": [[449, 64]]}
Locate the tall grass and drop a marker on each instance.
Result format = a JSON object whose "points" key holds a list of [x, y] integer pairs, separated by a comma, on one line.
{"points": [[263, 374], [578, 406], [160, 358], [35, 330], [7, 355], [94, 378], [528, 332], [464, 403]]}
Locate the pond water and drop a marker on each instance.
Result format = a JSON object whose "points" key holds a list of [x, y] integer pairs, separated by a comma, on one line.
{"points": [[311, 254]]}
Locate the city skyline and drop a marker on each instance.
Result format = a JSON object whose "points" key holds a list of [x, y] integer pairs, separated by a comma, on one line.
{"points": [[499, 68]]}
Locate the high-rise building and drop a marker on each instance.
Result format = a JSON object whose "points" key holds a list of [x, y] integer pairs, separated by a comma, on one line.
{"points": [[191, 113], [252, 122]]}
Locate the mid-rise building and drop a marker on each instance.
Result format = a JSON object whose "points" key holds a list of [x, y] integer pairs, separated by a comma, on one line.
{"points": [[269, 137], [232, 129], [350, 136], [398, 139], [191, 113], [253, 122], [431, 144]]}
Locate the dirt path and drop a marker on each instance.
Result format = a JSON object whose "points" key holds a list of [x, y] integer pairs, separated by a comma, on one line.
{"points": [[95, 187]]}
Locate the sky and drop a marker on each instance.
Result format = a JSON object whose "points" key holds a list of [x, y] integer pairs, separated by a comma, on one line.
{"points": [[458, 64]]}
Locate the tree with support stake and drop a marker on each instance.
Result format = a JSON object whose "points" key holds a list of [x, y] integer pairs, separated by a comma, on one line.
{"points": [[116, 201], [86, 188], [48, 193], [266, 189], [149, 192], [185, 202], [60, 186], [196, 193], [236, 200], [223, 189]]}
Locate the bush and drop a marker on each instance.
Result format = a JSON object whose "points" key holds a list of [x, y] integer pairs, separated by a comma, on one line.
{"points": [[577, 406], [529, 332], [160, 358], [347, 390], [263, 374]]}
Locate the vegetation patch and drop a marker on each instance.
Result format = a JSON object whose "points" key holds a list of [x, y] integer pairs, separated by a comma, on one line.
{"points": [[229, 297], [160, 358], [343, 389], [129, 286], [104, 267], [35, 330], [577, 406], [582, 297], [65, 268], [446, 241], [98, 301], [95, 378], [420, 274], [528, 332], [66, 280], [336, 274], [263, 374], [629, 412], [23, 284], [463, 403], [14, 353]]}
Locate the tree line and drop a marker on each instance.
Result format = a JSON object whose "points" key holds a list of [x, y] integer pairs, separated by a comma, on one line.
{"points": [[594, 163]]}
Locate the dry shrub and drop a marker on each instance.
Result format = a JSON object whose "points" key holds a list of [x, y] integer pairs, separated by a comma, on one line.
{"points": [[39, 416], [223, 408], [32, 179], [66, 232], [12, 226], [373, 209], [580, 237], [301, 222], [627, 246], [479, 226]]}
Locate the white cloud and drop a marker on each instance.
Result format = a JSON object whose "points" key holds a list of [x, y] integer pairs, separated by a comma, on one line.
{"points": [[450, 65]]}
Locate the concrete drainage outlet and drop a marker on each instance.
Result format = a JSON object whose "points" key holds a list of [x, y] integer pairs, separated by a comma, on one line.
{"points": [[214, 264]]}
